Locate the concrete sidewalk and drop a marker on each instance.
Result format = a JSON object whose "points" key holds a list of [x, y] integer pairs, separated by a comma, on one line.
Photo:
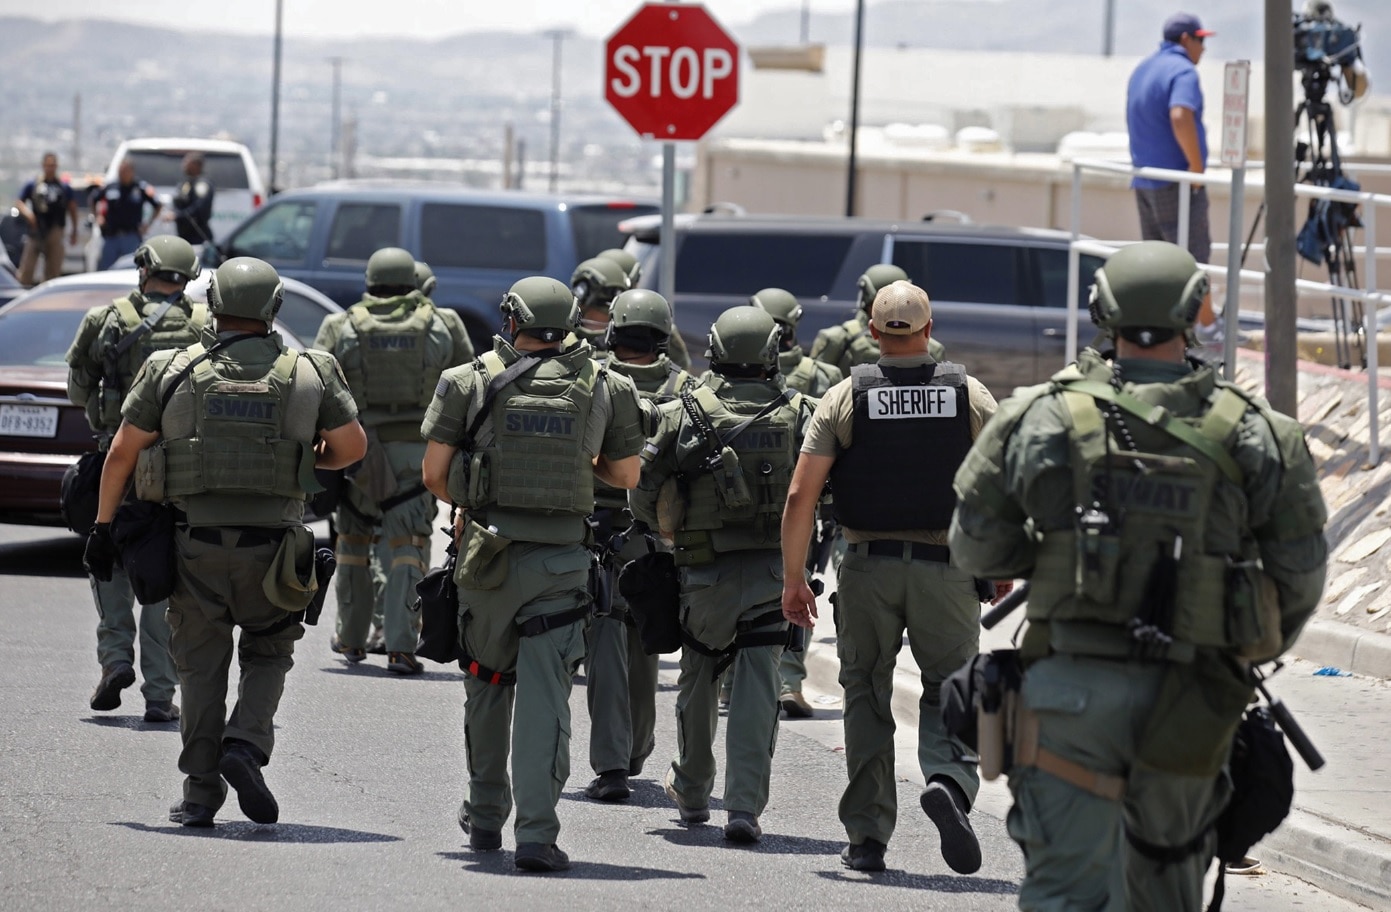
{"points": [[1338, 837]]}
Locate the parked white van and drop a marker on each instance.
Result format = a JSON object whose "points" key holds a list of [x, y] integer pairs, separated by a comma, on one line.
{"points": [[228, 166]]}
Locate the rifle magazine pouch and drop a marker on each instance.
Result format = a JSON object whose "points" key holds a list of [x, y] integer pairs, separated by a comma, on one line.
{"points": [[730, 485], [149, 474], [1190, 728], [80, 492], [650, 586], [291, 581], [143, 533], [484, 563]]}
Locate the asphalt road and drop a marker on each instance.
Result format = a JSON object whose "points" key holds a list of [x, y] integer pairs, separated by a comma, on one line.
{"points": [[369, 773]]}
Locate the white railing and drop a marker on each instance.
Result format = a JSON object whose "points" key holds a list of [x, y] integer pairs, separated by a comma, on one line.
{"points": [[1370, 295]]}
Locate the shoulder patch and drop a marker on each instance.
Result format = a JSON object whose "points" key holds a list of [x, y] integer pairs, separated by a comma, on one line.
{"points": [[442, 387]]}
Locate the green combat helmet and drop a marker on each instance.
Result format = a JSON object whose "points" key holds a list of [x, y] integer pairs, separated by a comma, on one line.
{"points": [[542, 307], [641, 321], [168, 256], [781, 304], [391, 267], [425, 280], [246, 287], [626, 261], [597, 281], [880, 275], [1148, 293], [745, 337]]}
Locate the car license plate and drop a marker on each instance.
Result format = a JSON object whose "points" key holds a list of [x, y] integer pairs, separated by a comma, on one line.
{"points": [[28, 420]]}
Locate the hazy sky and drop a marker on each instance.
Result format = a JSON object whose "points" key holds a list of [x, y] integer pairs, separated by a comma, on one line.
{"points": [[363, 18]]}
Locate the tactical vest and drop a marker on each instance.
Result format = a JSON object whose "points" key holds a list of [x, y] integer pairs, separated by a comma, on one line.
{"points": [[911, 431], [661, 381], [392, 361], [238, 452], [534, 478], [735, 506], [1161, 545], [183, 325], [48, 205], [807, 376]]}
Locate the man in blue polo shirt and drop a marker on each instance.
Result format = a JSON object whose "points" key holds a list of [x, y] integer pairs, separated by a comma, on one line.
{"points": [[1164, 113], [121, 214]]}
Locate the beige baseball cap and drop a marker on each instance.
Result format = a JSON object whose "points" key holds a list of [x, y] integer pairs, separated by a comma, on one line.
{"points": [[901, 309]]}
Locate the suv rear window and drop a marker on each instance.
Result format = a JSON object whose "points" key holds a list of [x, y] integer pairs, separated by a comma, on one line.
{"points": [[1053, 270], [596, 227], [483, 237], [740, 263], [970, 273], [224, 170], [361, 229]]}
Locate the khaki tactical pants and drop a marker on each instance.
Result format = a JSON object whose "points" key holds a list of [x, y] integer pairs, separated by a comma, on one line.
{"points": [[48, 245], [219, 588], [878, 599], [1093, 712], [116, 633], [715, 598], [541, 579], [401, 537]]}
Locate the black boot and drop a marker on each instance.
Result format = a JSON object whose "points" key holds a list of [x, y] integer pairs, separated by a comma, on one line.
{"points": [[241, 767]]}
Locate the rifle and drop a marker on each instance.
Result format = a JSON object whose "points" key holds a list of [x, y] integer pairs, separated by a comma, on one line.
{"points": [[1005, 607]]}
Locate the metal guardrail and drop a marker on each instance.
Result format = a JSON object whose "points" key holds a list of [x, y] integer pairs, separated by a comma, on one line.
{"points": [[1246, 277]]}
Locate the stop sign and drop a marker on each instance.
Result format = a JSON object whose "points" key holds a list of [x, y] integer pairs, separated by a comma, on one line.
{"points": [[671, 71]]}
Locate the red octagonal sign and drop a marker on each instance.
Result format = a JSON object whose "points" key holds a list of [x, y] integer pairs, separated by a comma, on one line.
{"points": [[671, 71]]}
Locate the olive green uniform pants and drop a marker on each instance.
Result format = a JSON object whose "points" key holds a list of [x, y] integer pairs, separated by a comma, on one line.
{"points": [[792, 670], [218, 588], [877, 600], [1094, 712], [541, 579], [620, 685], [401, 536], [718, 601], [116, 633]]}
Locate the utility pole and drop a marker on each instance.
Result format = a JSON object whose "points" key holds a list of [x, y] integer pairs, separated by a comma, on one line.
{"points": [[275, 97], [77, 133], [806, 22], [557, 37], [335, 148], [1281, 380], [852, 167], [1108, 36], [508, 139]]}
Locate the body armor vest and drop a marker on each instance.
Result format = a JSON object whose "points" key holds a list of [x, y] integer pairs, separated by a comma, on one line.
{"points": [[183, 325], [805, 375], [658, 382], [238, 452], [1161, 546], [911, 432], [735, 497], [538, 463], [392, 361]]}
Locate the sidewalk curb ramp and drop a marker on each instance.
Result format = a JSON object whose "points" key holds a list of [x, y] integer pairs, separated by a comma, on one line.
{"points": [[1330, 855]]}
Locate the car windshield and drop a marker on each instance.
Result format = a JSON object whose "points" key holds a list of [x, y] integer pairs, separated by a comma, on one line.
{"points": [[38, 331], [596, 227], [164, 168]]}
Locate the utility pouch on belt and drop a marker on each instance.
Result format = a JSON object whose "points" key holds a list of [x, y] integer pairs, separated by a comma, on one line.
{"points": [[1252, 612], [149, 474], [291, 581], [979, 702], [1198, 708], [650, 586], [437, 601], [484, 563]]}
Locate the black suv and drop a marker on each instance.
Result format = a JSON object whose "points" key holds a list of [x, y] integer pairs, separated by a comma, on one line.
{"points": [[998, 294]]}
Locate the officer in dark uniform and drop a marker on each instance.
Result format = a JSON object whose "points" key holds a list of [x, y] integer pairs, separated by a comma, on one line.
{"points": [[193, 203], [121, 214]]}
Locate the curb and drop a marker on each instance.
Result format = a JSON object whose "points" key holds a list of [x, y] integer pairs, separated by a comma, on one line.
{"points": [[1350, 648], [1333, 857]]}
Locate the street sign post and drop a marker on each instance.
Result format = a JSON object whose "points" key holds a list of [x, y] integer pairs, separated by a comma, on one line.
{"points": [[1236, 93], [672, 72]]}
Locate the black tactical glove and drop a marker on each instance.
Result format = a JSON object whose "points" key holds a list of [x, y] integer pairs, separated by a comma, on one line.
{"points": [[100, 556]]}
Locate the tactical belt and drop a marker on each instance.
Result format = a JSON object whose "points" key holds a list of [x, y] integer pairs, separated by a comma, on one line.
{"points": [[744, 638], [248, 536], [937, 554], [395, 500], [1167, 855], [487, 675], [535, 626]]}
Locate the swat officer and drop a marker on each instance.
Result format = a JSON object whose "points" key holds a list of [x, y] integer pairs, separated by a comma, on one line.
{"points": [[1172, 529], [596, 282], [234, 428], [425, 281], [676, 347], [111, 344], [851, 342], [621, 679], [714, 480], [890, 437], [193, 202], [517, 441], [814, 378], [393, 345]]}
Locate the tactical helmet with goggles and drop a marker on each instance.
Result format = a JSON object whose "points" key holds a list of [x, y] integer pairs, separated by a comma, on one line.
{"points": [[391, 267], [246, 287], [745, 338], [875, 278], [641, 322], [168, 257], [425, 280], [1147, 293], [542, 307]]}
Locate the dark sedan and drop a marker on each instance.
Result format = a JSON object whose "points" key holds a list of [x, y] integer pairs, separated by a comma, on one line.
{"points": [[41, 432]]}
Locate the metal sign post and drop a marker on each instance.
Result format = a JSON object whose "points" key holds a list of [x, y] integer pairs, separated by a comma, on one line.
{"points": [[1236, 93], [666, 281]]}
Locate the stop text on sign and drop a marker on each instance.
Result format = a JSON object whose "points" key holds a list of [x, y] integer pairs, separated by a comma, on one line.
{"points": [[682, 72]]}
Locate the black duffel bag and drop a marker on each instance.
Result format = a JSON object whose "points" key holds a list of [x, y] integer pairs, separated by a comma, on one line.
{"points": [[437, 600], [143, 533], [81, 491], [650, 586]]}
